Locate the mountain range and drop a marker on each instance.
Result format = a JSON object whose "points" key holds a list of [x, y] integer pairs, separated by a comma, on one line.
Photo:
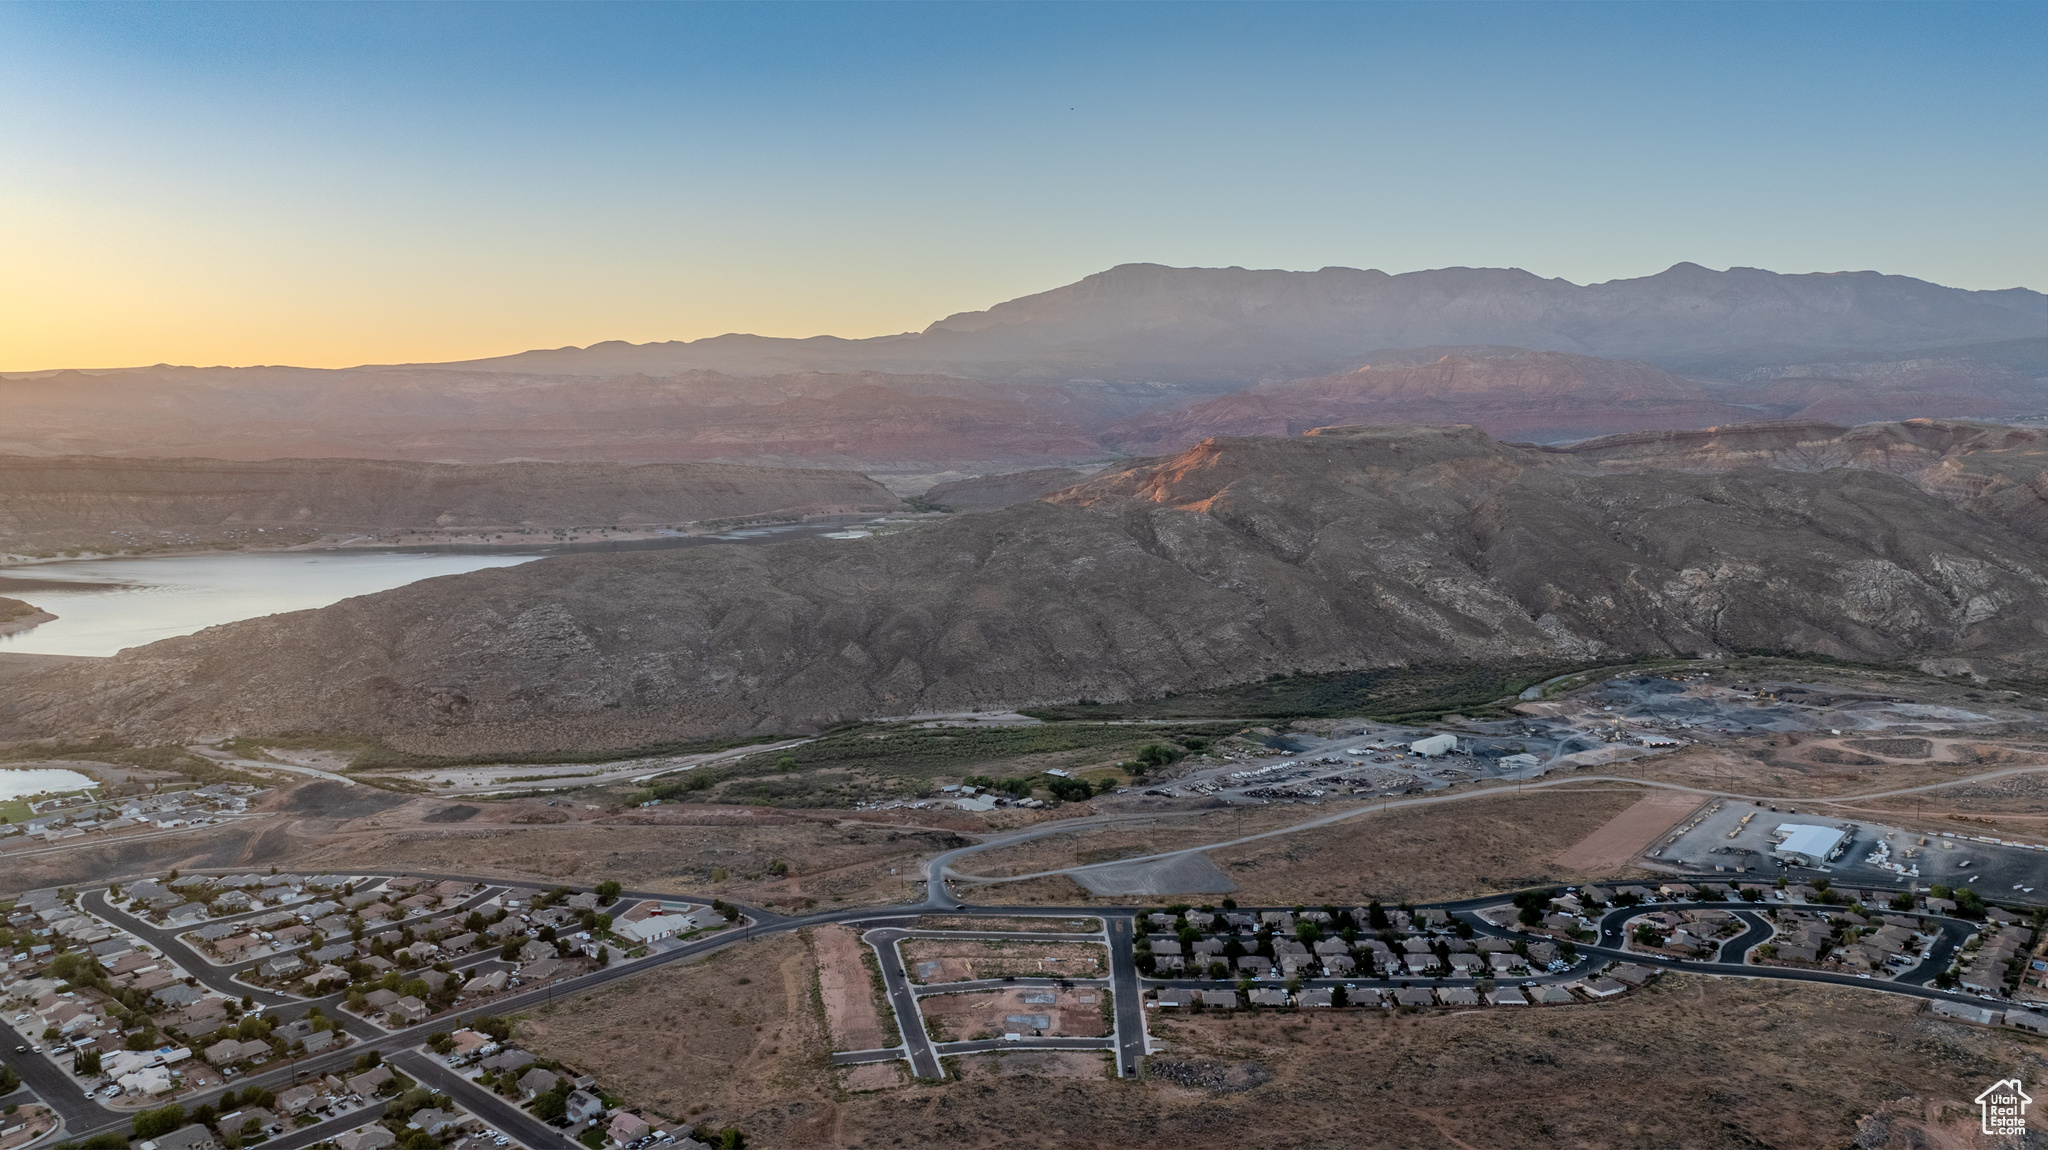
{"points": [[1136, 359]]}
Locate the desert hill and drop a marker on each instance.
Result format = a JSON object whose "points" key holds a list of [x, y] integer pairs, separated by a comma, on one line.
{"points": [[862, 420], [1236, 559], [72, 501]]}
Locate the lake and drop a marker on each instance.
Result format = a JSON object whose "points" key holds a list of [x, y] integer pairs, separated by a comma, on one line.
{"points": [[104, 605], [21, 782]]}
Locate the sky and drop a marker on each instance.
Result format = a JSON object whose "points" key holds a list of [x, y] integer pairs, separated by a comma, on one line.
{"points": [[329, 185]]}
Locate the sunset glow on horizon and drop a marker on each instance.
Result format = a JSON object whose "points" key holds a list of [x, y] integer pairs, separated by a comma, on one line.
{"points": [[330, 185]]}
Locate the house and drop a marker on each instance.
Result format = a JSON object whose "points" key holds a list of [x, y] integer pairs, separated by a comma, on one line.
{"points": [[433, 1120], [1603, 987], [410, 1011], [1413, 996], [253, 1118], [281, 966], [537, 1081], [468, 1041], [194, 1137], [584, 1106], [1457, 996], [507, 1060], [489, 983], [297, 1099], [368, 1138], [370, 1081], [1368, 996], [1466, 965], [2027, 1020], [1174, 996], [380, 1001], [1219, 999], [1966, 1012], [540, 970], [1506, 996], [1314, 997], [1552, 995], [1269, 996], [625, 1127], [1632, 974]]}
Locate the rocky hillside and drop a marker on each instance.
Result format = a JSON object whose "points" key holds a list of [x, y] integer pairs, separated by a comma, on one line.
{"points": [[1540, 396], [1997, 473], [88, 501], [986, 492], [1234, 560]]}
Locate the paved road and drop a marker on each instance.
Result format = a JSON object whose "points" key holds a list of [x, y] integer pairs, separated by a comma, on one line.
{"points": [[322, 1131], [518, 1123], [1129, 1004], [85, 1117], [1758, 931], [924, 1061], [50, 1083], [985, 1045]]}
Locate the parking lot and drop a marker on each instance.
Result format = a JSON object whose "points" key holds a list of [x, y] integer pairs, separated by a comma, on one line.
{"points": [[1721, 840]]}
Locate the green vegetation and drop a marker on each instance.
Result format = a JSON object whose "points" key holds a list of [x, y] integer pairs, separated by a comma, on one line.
{"points": [[369, 754], [1389, 694], [863, 761], [108, 749]]}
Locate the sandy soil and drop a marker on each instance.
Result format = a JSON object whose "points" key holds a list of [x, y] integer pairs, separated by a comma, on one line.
{"points": [[1081, 847], [1076, 1013], [851, 1016], [1021, 924], [1450, 851], [966, 959], [1692, 1062], [1616, 844], [710, 1039]]}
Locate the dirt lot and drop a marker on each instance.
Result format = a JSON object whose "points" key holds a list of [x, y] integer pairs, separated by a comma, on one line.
{"points": [[1691, 1062], [710, 1039], [1031, 924], [1450, 851], [1078, 1013], [1616, 844], [848, 993], [1081, 847], [964, 959]]}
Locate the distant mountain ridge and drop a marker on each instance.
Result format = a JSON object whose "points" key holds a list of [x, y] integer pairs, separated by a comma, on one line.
{"points": [[1135, 359], [1225, 325]]}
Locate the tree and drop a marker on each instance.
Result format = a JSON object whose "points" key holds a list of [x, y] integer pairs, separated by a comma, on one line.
{"points": [[1160, 755], [86, 1064], [1376, 917], [1339, 997], [163, 1120], [441, 1043], [608, 891], [550, 1107], [11, 1082], [510, 951]]}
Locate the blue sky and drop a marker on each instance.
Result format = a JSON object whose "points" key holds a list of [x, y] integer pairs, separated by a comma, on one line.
{"points": [[335, 184]]}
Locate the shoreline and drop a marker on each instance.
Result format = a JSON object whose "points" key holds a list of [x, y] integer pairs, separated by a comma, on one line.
{"points": [[474, 542]]}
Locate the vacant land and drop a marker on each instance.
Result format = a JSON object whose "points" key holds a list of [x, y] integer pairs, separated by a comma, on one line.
{"points": [[1040, 924], [1450, 851], [846, 990], [1690, 1062], [1130, 839], [1078, 1013], [708, 1040], [951, 960], [1615, 845]]}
